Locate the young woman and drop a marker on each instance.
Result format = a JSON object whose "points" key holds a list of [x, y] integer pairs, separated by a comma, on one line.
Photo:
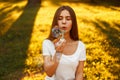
{"points": [[66, 61]]}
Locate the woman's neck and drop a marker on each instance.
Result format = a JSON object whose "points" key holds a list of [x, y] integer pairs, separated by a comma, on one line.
{"points": [[67, 37]]}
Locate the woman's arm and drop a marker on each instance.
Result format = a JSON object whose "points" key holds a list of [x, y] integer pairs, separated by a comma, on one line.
{"points": [[79, 71], [50, 65]]}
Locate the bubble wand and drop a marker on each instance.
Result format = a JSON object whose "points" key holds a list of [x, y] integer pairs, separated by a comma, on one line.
{"points": [[56, 33]]}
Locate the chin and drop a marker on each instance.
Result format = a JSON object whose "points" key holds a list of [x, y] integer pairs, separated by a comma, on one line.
{"points": [[66, 32]]}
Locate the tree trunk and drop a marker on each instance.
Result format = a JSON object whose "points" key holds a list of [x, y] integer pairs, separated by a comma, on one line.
{"points": [[33, 2], [92, 1]]}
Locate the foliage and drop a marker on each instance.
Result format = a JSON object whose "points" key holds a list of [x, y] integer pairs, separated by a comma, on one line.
{"points": [[11, 0], [21, 36]]}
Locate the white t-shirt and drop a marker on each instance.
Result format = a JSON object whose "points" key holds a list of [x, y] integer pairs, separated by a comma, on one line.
{"points": [[68, 63]]}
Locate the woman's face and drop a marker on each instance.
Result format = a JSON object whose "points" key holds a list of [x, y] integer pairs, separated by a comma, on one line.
{"points": [[65, 21]]}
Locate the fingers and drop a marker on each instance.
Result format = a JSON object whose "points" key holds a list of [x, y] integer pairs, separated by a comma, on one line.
{"points": [[63, 44], [60, 48], [56, 40]]}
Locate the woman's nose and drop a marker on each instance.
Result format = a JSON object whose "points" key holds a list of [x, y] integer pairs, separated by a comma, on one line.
{"points": [[64, 21]]}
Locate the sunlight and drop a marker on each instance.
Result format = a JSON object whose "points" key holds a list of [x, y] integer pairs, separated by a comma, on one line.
{"points": [[98, 28], [9, 21], [41, 27], [40, 31], [86, 15], [9, 18], [35, 77]]}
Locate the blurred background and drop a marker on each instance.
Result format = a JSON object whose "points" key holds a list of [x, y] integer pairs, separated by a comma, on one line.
{"points": [[24, 24]]}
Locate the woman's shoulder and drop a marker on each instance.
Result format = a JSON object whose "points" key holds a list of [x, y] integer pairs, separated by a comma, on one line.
{"points": [[47, 41], [81, 44]]}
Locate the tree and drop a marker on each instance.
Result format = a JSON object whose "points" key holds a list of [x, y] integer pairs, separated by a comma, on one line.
{"points": [[92, 1], [33, 2]]}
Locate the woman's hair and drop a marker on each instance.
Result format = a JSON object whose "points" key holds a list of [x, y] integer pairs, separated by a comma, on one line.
{"points": [[74, 29]]}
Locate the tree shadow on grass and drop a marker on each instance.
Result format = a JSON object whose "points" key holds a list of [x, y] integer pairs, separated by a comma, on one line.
{"points": [[14, 44], [12, 1], [113, 37], [108, 4], [5, 17]]}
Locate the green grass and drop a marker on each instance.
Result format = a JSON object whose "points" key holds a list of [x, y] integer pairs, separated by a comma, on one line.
{"points": [[22, 31]]}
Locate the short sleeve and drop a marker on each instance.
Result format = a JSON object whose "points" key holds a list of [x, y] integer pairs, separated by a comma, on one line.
{"points": [[45, 49], [82, 56], [48, 48]]}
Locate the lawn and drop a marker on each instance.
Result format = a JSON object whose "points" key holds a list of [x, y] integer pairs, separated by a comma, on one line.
{"points": [[22, 30]]}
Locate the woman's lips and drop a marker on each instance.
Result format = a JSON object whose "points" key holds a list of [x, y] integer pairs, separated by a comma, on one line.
{"points": [[64, 28]]}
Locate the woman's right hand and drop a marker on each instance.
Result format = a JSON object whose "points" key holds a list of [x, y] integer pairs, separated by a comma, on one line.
{"points": [[59, 47], [59, 44]]}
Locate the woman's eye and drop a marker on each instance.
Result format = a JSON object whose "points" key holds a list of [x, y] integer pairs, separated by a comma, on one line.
{"points": [[60, 18], [68, 18]]}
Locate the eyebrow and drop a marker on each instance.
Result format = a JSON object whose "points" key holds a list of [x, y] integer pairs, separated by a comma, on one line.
{"points": [[66, 16]]}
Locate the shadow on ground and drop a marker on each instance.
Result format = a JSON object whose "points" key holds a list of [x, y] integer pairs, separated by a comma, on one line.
{"points": [[12, 1], [14, 44], [113, 37], [104, 3]]}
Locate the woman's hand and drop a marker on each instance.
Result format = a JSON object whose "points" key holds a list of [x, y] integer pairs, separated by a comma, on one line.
{"points": [[59, 47], [59, 44]]}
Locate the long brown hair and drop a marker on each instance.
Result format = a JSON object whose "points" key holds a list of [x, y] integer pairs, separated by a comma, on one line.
{"points": [[74, 29]]}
